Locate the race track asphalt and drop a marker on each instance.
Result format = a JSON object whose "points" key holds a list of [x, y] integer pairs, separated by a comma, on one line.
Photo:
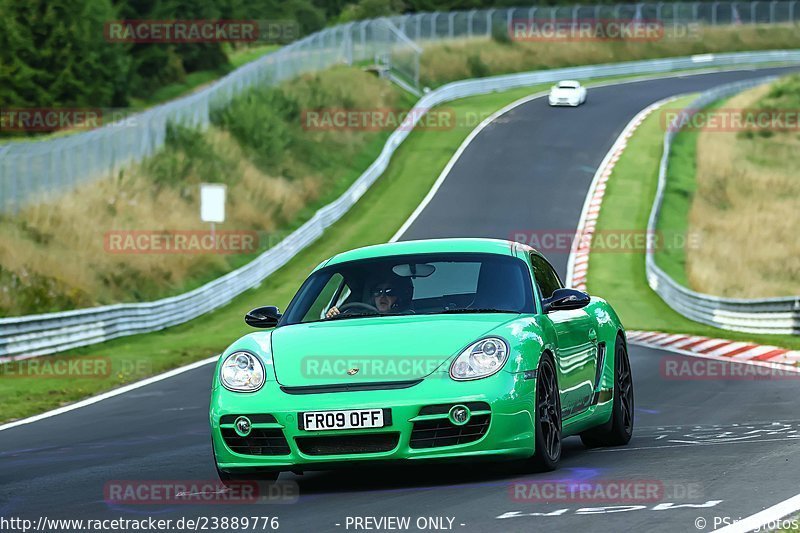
{"points": [[733, 442]]}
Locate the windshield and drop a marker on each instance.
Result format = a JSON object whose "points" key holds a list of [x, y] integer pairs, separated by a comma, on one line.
{"points": [[567, 85], [414, 284]]}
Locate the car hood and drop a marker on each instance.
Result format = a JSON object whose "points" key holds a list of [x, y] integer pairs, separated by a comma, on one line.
{"points": [[383, 349]]}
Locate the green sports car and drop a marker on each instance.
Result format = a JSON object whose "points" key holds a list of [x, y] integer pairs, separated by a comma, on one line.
{"points": [[433, 350]]}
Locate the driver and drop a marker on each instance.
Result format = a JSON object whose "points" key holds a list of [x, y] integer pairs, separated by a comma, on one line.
{"points": [[392, 294]]}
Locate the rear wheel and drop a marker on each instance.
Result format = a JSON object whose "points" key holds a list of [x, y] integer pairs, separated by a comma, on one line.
{"points": [[619, 430], [547, 423]]}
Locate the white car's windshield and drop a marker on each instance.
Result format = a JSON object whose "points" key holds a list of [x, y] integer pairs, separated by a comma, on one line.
{"points": [[414, 284]]}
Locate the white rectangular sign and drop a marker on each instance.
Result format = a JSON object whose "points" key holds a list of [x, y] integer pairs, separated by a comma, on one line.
{"points": [[212, 202]]}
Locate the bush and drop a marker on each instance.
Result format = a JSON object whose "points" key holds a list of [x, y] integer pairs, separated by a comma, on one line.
{"points": [[259, 120], [783, 94], [500, 34], [477, 68]]}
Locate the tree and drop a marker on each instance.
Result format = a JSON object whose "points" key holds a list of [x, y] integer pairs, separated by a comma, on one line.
{"points": [[54, 53]]}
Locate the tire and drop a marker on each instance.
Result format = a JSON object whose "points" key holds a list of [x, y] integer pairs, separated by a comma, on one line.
{"points": [[547, 419], [619, 429]]}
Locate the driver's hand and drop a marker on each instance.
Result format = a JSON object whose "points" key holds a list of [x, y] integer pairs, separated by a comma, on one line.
{"points": [[332, 312]]}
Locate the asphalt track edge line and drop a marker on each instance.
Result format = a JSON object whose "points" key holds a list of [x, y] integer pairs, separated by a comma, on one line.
{"points": [[110, 394], [760, 519]]}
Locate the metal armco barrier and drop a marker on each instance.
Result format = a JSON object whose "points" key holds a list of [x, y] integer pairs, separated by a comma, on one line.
{"points": [[768, 315], [34, 335]]}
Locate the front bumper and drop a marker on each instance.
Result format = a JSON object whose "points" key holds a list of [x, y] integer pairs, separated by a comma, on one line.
{"points": [[509, 433]]}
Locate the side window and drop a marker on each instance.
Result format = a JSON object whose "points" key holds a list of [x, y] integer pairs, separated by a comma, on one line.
{"points": [[335, 287], [546, 277]]}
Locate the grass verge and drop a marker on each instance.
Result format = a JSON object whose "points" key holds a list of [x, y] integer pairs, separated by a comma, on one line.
{"points": [[620, 277], [734, 191]]}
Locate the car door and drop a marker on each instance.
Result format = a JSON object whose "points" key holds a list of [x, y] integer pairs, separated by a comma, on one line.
{"points": [[576, 351]]}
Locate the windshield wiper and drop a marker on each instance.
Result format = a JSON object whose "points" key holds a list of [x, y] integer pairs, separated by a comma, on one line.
{"points": [[341, 316], [476, 310]]}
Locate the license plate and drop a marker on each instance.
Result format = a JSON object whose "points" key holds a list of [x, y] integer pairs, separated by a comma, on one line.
{"points": [[353, 419]]}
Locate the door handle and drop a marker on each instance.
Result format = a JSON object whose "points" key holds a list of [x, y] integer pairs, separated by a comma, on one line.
{"points": [[593, 335]]}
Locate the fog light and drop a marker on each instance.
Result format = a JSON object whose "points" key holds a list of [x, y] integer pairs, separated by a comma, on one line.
{"points": [[242, 426], [459, 415]]}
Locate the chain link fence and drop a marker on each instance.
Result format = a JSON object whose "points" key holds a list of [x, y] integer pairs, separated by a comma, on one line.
{"points": [[34, 169], [481, 23]]}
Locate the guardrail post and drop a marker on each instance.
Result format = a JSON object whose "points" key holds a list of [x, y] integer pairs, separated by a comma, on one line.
{"points": [[772, 11], [433, 25], [363, 34], [714, 7], [470, 16], [532, 13], [753, 12], [695, 9], [489, 14], [403, 27], [451, 24], [418, 28], [347, 37], [791, 10], [509, 18], [575, 14]]}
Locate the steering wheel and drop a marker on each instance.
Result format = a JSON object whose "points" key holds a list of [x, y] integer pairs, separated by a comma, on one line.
{"points": [[358, 305]]}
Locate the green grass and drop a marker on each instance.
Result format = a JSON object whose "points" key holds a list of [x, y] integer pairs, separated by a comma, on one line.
{"points": [[239, 57], [620, 277], [673, 222], [678, 194], [174, 90]]}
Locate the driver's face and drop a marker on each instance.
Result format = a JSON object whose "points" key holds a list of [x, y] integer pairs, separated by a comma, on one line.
{"points": [[385, 296]]}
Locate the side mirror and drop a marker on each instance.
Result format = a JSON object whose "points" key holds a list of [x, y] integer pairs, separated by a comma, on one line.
{"points": [[263, 317], [565, 299]]}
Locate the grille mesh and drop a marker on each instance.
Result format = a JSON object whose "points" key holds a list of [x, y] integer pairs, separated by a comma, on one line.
{"points": [[347, 444], [441, 432], [260, 441]]}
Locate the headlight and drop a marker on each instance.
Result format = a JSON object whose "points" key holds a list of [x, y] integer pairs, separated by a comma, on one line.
{"points": [[480, 360], [242, 372]]}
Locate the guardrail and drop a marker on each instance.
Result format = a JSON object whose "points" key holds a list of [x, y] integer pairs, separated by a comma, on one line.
{"points": [[767, 315], [33, 335]]}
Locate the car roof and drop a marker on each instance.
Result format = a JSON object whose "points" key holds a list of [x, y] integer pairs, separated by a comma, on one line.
{"points": [[571, 82], [475, 245]]}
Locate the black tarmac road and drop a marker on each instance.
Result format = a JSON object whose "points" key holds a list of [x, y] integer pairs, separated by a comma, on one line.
{"points": [[708, 450]]}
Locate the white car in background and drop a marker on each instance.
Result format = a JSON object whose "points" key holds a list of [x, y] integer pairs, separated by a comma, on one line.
{"points": [[567, 92]]}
